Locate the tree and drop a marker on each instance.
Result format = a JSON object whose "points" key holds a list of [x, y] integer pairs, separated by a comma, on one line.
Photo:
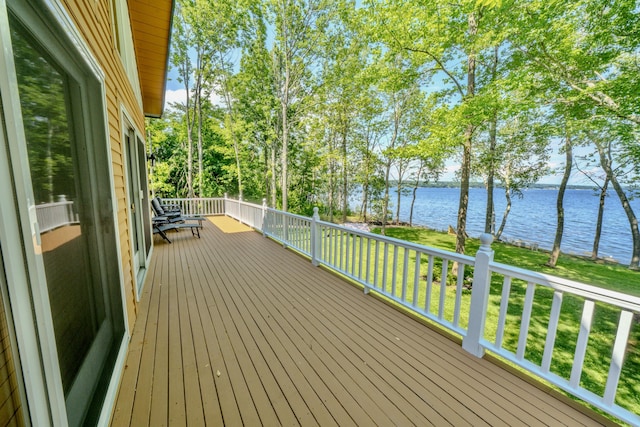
{"points": [[298, 27], [568, 150], [370, 128], [257, 105], [602, 190], [47, 132], [589, 46], [515, 155], [342, 96], [182, 40], [604, 147], [522, 165], [445, 41], [430, 156]]}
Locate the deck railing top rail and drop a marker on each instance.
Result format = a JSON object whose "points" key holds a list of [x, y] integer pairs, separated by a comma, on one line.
{"points": [[596, 293], [465, 259], [56, 214]]}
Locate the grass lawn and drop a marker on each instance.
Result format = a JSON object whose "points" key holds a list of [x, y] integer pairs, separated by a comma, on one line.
{"points": [[604, 325], [610, 276]]}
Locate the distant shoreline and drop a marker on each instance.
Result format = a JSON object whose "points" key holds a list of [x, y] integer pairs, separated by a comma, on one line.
{"points": [[478, 184]]}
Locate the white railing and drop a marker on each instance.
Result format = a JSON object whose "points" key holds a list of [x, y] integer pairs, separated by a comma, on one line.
{"points": [[396, 269], [294, 231], [593, 312], [246, 213], [54, 215], [198, 206], [516, 314]]}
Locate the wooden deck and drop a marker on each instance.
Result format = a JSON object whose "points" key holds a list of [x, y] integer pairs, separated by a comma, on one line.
{"points": [[234, 330]]}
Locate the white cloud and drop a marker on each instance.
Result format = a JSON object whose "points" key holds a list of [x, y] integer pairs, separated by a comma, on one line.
{"points": [[173, 96]]}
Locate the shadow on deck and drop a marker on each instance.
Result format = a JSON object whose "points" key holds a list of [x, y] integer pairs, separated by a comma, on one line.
{"points": [[233, 330]]}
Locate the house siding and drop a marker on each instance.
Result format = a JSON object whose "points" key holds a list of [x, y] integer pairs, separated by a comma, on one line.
{"points": [[94, 21]]}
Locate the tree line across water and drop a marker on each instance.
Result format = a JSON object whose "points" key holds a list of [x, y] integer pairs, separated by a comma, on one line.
{"points": [[301, 101]]}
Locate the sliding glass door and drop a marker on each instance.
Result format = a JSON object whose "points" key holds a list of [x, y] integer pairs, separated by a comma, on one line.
{"points": [[70, 244]]}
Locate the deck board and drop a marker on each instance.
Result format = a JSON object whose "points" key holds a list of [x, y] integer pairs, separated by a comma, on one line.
{"points": [[233, 329]]}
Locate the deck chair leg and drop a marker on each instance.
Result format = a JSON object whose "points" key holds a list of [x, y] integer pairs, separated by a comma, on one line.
{"points": [[162, 234]]}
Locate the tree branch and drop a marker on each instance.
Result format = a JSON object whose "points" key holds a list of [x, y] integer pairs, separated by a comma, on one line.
{"points": [[440, 65], [599, 97]]}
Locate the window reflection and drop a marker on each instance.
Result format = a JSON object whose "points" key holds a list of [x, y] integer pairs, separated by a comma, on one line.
{"points": [[61, 203]]}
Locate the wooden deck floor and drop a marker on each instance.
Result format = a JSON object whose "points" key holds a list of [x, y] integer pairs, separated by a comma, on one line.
{"points": [[234, 330]]}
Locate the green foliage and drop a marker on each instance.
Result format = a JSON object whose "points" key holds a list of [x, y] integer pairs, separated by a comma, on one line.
{"points": [[329, 102]]}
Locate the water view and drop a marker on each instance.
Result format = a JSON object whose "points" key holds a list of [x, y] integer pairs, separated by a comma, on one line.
{"points": [[532, 218]]}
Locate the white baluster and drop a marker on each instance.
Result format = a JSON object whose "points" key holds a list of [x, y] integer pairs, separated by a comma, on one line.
{"points": [[581, 345], [552, 329], [479, 297], [316, 248], [526, 320], [617, 358], [416, 279], [443, 287], [502, 317], [427, 301]]}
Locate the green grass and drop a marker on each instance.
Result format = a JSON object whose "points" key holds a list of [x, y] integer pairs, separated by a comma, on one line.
{"points": [[598, 357], [610, 276]]}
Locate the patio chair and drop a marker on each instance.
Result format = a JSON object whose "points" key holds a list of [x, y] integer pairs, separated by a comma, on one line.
{"points": [[166, 207], [161, 225], [174, 215]]}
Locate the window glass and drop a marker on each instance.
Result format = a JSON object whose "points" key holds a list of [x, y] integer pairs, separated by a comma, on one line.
{"points": [[62, 202]]}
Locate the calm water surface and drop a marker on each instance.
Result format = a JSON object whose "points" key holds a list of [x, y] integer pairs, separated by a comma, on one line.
{"points": [[532, 218]]}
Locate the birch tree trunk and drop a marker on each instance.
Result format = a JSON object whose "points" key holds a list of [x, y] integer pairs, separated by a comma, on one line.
{"points": [[489, 218], [555, 252], [596, 238], [345, 174], [465, 170], [507, 209], [415, 190], [605, 161]]}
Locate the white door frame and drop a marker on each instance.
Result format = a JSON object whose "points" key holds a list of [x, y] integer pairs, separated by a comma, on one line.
{"points": [[135, 197]]}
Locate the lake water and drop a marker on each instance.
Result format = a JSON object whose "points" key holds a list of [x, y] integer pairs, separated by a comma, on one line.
{"points": [[533, 218]]}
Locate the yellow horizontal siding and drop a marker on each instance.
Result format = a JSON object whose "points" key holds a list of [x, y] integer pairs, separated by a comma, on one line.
{"points": [[93, 19]]}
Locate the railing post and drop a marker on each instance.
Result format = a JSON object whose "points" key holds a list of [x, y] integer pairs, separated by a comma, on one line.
{"points": [[224, 207], [316, 238], [264, 218], [285, 230], [479, 297]]}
